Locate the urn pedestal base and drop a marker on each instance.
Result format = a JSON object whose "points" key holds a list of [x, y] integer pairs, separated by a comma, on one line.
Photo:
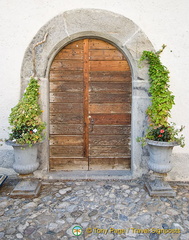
{"points": [[159, 188], [26, 189]]}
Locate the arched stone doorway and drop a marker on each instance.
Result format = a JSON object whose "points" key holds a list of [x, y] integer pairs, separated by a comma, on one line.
{"points": [[90, 107], [114, 28]]}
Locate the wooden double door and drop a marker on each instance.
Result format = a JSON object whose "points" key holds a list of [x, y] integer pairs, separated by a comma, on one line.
{"points": [[90, 108]]}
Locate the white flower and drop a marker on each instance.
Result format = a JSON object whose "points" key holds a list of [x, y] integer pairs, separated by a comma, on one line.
{"points": [[177, 127], [14, 140], [35, 130]]}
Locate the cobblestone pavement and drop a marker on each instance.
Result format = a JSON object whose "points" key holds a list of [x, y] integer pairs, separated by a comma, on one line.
{"points": [[103, 209]]}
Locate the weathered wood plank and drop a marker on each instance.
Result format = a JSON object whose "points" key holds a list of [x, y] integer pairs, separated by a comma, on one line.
{"points": [[109, 97], [116, 76], [105, 55], [66, 108], [66, 129], [111, 119], [60, 86], [109, 108], [76, 54], [66, 151], [107, 151], [109, 163], [68, 164], [110, 129], [86, 97], [66, 97], [66, 76], [99, 44], [75, 45], [110, 87], [67, 65], [66, 118], [109, 140], [109, 66], [65, 140]]}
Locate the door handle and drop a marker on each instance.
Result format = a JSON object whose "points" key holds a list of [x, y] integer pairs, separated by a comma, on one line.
{"points": [[91, 123]]}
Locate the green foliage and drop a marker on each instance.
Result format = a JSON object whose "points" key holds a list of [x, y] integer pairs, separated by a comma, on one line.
{"points": [[26, 125], [162, 101], [162, 98]]}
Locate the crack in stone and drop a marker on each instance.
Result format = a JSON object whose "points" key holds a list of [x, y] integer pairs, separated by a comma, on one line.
{"points": [[141, 88], [131, 37], [65, 25]]}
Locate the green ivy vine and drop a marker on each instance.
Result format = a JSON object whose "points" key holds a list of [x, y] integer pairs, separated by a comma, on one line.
{"points": [[161, 97], [162, 100]]}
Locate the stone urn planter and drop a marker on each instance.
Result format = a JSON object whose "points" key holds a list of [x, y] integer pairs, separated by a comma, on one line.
{"points": [[160, 156], [26, 160], [160, 163]]}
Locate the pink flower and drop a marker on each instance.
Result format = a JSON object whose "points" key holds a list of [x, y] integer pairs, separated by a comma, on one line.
{"points": [[162, 131]]}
